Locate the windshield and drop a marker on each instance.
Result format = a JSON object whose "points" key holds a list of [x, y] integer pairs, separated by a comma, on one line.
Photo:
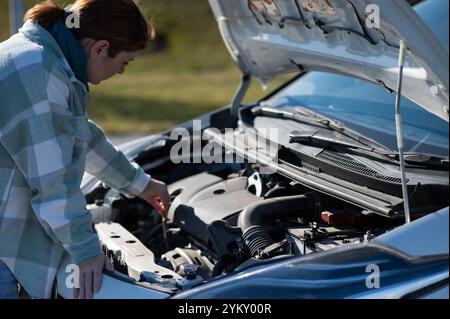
{"points": [[368, 108]]}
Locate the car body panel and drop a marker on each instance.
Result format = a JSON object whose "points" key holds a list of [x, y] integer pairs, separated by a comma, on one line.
{"points": [[266, 47], [114, 286], [410, 240]]}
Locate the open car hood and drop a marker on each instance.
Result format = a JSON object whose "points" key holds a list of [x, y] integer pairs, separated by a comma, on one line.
{"points": [[270, 37]]}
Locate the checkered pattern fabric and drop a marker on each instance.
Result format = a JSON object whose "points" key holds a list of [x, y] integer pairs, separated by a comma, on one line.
{"points": [[8, 284], [46, 144]]}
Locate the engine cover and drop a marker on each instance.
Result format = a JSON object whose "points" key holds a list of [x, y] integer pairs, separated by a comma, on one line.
{"points": [[201, 199]]}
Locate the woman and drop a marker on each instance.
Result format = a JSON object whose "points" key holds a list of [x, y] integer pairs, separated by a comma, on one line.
{"points": [[47, 142]]}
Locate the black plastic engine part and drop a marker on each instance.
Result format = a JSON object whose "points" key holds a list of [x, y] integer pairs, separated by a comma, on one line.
{"points": [[202, 199], [223, 236], [252, 219]]}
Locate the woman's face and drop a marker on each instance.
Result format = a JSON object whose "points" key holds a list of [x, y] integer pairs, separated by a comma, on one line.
{"points": [[101, 66], [101, 70]]}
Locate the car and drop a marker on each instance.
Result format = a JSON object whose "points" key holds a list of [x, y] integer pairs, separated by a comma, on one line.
{"points": [[302, 193]]}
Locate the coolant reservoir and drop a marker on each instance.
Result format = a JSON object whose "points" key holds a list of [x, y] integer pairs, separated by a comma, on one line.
{"points": [[101, 212]]}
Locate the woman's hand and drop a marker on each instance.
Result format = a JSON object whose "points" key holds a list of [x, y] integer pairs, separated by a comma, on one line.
{"points": [[90, 276], [157, 195]]}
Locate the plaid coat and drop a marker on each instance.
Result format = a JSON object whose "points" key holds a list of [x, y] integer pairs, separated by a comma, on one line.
{"points": [[46, 144]]}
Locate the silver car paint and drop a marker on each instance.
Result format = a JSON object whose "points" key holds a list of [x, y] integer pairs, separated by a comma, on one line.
{"points": [[266, 50]]}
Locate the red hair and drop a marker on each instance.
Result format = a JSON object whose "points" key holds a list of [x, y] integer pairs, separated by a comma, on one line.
{"points": [[120, 22]]}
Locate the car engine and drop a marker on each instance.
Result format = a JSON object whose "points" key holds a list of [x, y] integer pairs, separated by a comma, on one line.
{"points": [[222, 220]]}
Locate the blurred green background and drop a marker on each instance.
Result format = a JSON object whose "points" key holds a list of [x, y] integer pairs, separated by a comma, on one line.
{"points": [[187, 71]]}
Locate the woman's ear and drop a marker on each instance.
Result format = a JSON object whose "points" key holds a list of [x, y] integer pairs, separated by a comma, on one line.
{"points": [[99, 50]]}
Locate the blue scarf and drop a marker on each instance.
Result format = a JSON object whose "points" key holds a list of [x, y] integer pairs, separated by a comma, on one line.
{"points": [[71, 49]]}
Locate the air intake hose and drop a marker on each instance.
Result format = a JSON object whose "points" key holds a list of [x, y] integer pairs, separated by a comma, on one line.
{"points": [[255, 215]]}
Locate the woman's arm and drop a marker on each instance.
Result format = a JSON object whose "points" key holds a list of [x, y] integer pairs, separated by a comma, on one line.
{"points": [[111, 166]]}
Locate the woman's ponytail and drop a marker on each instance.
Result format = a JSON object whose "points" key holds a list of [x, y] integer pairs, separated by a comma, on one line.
{"points": [[120, 22], [45, 13]]}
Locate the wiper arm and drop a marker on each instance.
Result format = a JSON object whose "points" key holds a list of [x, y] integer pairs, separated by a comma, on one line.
{"points": [[339, 127], [306, 116], [274, 112], [420, 158], [311, 137]]}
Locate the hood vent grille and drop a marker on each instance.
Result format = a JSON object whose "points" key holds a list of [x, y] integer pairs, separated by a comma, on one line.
{"points": [[310, 167], [347, 162]]}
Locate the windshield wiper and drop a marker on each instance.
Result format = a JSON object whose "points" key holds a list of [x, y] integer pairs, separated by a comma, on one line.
{"points": [[312, 137], [421, 158], [296, 116], [306, 116]]}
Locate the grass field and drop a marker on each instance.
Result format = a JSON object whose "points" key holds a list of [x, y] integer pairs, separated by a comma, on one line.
{"points": [[190, 73]]}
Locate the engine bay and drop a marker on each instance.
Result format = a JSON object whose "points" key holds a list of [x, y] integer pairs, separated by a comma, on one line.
{"points": [[222, 220]]}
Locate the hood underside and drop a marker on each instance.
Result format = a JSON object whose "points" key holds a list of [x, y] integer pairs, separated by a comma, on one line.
{"points": [[271, 37]]}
